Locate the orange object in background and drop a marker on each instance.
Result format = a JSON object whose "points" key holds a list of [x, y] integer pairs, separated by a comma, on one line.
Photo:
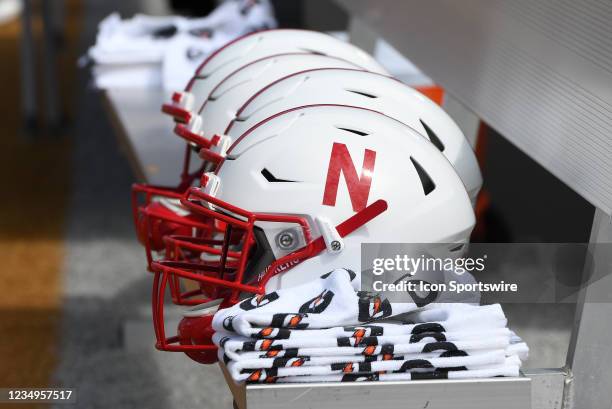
{"points": [[433, 92]]}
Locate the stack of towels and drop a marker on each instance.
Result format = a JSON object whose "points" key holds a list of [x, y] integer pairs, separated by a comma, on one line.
{"points": [[327, 331], [150, 51]]}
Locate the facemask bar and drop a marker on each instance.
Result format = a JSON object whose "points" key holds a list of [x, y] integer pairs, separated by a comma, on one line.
{"points": [[199, 202], [182, 248], [230, 253], [216, 274], [222, 278], [144, 216], [163, 342]]}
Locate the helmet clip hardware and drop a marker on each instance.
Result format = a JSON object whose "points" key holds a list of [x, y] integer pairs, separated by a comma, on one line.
{"points": [[180, 106], [221, 143], [333, 240], [212, 183], [287, 239], [192, 132]]}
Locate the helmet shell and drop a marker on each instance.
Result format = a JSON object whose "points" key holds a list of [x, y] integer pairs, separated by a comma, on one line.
{"points": [[327, 162], [369, 90]]}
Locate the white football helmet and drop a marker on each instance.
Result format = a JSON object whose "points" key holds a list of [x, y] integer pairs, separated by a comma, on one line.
{"points": [[297, 195], [156, 218], [357, 88], [252, 47], [221, 106], [219, 65]]}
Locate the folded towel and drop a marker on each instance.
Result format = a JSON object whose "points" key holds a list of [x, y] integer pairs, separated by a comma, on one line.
{"points": [[457, 360], [249, 344], [143, 39], [329, 301], [519, 350], [238, 349], [327, 330], [175, 46], [444, 318], [271, 375], [136, 75]]}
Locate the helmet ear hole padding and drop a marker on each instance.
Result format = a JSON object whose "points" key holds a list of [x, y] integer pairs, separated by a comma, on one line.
{"points": [[261, 255]]}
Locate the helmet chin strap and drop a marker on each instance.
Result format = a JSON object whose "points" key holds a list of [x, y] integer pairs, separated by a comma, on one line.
{"points": [[340, 231]]}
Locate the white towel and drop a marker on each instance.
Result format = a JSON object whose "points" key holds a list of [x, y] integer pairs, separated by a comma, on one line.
{"points": [[329, 301], [243, 371], [174, 45], [249, 344], [480, 357], [518, 348], [143, 39], [237, 349], [442, 318], [328, 328], [285, 361], [509, 368], [136, 75]]}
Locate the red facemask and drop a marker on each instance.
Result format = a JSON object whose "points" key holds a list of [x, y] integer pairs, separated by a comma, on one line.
{"points": [[228, 265]]}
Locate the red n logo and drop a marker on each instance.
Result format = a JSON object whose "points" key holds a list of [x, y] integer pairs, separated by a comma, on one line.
{"points": [[358, 186]]}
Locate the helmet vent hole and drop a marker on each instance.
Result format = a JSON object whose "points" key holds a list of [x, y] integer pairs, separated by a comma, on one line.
{"points": [[433, 137], [355, 131], [365, 94], [426, 181], [456, 248], [273, 179], [311, 51]]}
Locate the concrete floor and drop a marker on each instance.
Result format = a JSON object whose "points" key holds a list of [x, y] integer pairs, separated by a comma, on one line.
{"points": [[106, 285], [105, 280]]}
